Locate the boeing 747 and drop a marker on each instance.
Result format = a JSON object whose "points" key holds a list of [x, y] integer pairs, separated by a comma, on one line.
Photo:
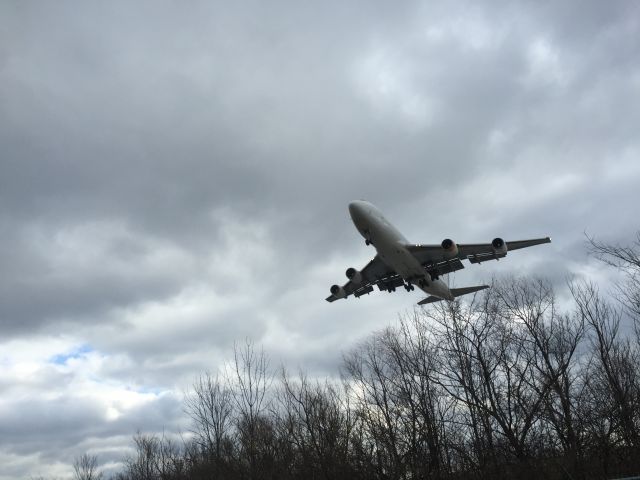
{"points": [[400, 263]]}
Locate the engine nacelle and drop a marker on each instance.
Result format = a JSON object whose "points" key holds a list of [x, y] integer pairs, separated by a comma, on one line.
{"points": [[499, 245], [450, 247], [337, 291], [354, 275]]}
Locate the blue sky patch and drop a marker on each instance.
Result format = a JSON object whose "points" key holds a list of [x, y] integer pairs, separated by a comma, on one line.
{"points": [[80, 351]]}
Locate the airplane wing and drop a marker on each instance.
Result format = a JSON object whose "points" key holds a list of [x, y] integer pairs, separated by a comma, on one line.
{"points": [[481, 252], [376, 272], [433, 258], [474, 252]]}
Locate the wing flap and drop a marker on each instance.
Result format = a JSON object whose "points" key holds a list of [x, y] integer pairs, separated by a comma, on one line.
{"points": [[362, 291], [442, 268], [485, 257], [391, 283]]}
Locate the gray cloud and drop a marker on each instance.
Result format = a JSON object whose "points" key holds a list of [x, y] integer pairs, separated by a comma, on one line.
{"points": [[174, 178]]}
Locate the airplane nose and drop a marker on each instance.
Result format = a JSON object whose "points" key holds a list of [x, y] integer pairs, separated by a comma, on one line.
{"points": [[355, 210]]}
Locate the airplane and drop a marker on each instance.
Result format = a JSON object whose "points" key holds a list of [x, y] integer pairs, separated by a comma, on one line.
{"points": [[400, 263]]}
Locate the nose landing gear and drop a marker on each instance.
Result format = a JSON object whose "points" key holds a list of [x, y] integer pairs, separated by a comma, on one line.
{"points": [[367, 237]]}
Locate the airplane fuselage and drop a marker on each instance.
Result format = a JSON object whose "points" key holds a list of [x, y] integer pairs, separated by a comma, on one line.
{"points": [[392, 249]]}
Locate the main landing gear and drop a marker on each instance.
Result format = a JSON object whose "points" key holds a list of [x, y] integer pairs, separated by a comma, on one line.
{"points": [[408, 287], [423, 282]]}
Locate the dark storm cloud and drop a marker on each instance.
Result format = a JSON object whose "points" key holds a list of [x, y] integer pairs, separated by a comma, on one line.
{"points": [[174, 178], [156, 113]]}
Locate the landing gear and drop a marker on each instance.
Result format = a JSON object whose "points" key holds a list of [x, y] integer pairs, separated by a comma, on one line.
{"points": [[367, 237], [408, 287], [423, 283]]}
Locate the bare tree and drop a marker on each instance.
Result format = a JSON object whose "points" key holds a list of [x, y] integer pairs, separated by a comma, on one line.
{"points": [[253, 379], [378, 404], [85, 467], [472, 434], [400, 405], [553, 340], [144, 465], [255, 430], [615, 377], [625, 259], [210, 407], [412, 357], [488, 365], [318, 424], [155, 458]]}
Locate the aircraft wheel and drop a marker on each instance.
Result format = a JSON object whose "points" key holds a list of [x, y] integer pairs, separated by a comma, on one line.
{"points": [[367, 242]]}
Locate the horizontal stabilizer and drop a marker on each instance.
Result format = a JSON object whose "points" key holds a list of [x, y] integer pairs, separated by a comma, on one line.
{"points": [[456, 292], [429, 299]]}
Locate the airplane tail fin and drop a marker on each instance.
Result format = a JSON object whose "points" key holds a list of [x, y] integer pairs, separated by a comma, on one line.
{"points": [[456, 292]]}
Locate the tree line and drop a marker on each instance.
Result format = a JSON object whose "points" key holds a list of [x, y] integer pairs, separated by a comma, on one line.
{"points": [[505, 385]]}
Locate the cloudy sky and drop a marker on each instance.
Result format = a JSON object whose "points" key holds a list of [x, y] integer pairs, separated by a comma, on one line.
{"points": [[174, 177]]}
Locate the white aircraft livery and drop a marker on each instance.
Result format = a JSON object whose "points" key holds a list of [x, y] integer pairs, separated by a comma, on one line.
{"points": [[400, 263]]}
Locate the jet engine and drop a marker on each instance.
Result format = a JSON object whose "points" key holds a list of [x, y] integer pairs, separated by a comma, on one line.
{"points": [[450, 247], [499, 245], [354, 275], [337, 291]]}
